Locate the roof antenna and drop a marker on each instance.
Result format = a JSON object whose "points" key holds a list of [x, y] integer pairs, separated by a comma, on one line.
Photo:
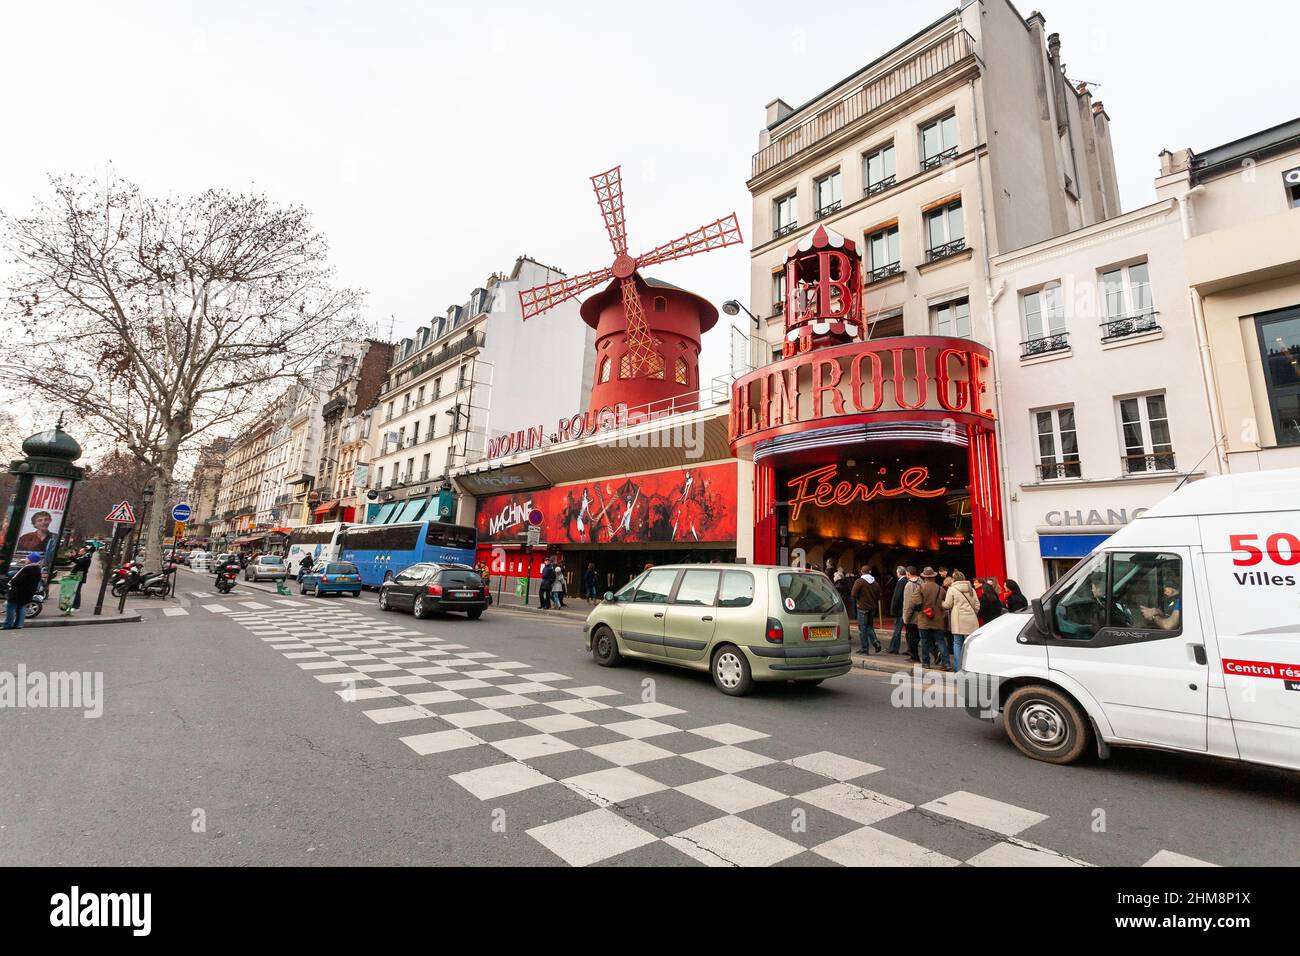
{"points": [[1187, 477]]}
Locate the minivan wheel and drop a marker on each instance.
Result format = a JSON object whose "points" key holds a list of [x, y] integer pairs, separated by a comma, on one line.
{"points": [[1047, 725], [604, 648], [731, 672]]}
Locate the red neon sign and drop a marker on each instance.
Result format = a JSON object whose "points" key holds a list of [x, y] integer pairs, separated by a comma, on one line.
{"points": [[825, 492]]}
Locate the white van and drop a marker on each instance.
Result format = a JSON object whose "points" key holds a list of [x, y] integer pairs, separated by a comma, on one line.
{"points": [[1180, 632]]}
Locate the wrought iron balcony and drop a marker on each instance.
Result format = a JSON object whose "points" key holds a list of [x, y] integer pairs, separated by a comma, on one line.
{"points": [[1056, 470], [830, 210], [881, 186], [1147, 462], [1124, 326], [938, 159], [1057, 342], [785, 230], [945, 250], [943, 56], [884, 272]]}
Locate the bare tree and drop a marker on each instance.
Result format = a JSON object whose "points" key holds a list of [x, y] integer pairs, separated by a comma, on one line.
{"points": [[155, 321]]}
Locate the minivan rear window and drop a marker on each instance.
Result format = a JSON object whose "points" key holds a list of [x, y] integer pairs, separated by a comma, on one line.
{"points": [[460, 579], [341, 569], [807, 593]]}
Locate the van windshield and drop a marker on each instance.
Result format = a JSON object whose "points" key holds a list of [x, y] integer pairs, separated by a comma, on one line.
{"points": [[808, 593]]}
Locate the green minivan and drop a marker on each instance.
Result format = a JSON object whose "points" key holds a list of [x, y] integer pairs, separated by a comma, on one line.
{"points": [[740, 622]]}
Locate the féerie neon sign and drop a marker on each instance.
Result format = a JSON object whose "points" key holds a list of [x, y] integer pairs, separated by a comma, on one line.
{"points": [[820, 489]]}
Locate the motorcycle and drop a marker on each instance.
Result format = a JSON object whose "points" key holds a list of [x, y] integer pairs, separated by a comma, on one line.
{"points": [[35, 605], [226, 580], [157, 584], [127, 577]]}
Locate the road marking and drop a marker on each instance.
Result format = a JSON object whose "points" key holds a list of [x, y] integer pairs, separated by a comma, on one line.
{"points": [[216, 608], [994, 815], [254, 606], [1170, 858], [175, 612]]}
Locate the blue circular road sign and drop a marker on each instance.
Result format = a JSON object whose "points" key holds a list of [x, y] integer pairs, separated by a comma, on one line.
{"points": [[182, 512], [535, 518]]}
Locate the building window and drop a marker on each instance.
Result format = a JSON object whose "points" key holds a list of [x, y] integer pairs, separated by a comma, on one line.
{"points": [[945, 231], [406, 403], [828, 195], [625, 367], [883, 254], [424, 468], [401, 437], [1044, 318], [1144, 432], [886, 326], [410, 470], [419, 400], [1058, 444], [1126, 300], [878, 172], [389, 416], [381, 477], [938, 142], [415, 434], [661, 304], [433, 426], [778, 292], [680, 375], [1292, 180], [785, 215], [952, 319], [1279, 343], [606, 369]]}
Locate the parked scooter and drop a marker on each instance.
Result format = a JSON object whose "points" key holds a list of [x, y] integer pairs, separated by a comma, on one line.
{"points": [[128, 576], [157, 584]]}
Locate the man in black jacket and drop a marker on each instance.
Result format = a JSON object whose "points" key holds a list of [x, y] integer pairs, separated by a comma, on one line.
{"points": [[81, 568], [23, 586]]}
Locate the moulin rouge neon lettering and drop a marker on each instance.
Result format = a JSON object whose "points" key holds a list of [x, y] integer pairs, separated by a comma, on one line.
{"points": [[820, 489]]}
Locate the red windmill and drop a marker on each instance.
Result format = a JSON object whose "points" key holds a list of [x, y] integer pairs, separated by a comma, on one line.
{"points": [[642, 358]]}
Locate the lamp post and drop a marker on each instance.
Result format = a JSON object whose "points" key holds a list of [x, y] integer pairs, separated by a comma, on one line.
{"points": [[733, 307]]}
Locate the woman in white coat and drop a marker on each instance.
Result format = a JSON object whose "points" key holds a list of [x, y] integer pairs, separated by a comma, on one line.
{"points": [[963, 613]]}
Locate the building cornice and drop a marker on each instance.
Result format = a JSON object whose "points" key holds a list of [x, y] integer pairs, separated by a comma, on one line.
{"points": [[1140, 220]]}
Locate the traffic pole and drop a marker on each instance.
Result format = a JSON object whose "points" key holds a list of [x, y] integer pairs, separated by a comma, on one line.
{"points": [[108, 568]]}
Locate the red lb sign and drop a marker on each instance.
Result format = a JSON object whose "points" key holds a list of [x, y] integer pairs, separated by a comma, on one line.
{"points": [[888, 379]]}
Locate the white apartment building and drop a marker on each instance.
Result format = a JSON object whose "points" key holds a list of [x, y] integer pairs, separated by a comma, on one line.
{"points": [[1105, 405], [476, 372]]}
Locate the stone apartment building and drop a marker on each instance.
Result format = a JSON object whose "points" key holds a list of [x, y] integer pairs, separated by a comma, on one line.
{"points": [[357, 383]]}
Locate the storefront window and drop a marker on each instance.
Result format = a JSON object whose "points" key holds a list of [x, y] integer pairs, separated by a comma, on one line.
{"points": [[1279, 342]]}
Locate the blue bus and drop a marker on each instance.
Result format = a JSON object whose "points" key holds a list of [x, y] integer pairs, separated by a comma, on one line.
{"points": [[382, 551]]}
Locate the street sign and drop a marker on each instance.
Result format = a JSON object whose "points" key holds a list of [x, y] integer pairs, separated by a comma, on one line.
{"points": [[535, 518], [182, 512], [179, 532], [121, 514], [534, 537]]}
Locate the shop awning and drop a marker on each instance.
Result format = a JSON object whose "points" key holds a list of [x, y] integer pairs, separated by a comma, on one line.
{"points": [[1069, 545], [384, 514], [409, 510], [326, 508]]}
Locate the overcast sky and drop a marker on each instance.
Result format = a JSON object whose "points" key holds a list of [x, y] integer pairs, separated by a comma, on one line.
{"points": [[435, 141]]}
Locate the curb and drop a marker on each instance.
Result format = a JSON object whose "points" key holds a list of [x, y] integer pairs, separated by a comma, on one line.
{"points": [[61, 621]]}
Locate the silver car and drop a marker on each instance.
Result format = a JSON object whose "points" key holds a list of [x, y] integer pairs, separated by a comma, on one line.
{"points": [[267, 567]]}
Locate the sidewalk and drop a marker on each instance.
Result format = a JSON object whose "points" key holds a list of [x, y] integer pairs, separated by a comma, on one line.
{"points": [[51, 616]]}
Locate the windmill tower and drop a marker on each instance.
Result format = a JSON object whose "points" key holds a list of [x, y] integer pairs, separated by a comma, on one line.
{"points": [[647, 331]]}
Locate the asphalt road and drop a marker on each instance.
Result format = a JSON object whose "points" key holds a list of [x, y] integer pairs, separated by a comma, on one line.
{"points": [[217, 747]]}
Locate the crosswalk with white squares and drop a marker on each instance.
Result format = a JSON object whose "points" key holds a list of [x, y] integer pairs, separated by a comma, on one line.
{"points": [[647, 774]]}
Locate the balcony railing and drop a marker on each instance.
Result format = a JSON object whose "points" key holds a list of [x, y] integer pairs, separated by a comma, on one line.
{"points": [[945, 250], [1056, 470], [785, 230], [829, 210], [938, 159], [1152, 461], [884, 272], [433, 360], [1124, 326], [939, 57], [881, 186], [1057, 342]]}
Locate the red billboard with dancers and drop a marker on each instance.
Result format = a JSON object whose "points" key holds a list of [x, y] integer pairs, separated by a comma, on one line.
{"points": [[686, 505]]}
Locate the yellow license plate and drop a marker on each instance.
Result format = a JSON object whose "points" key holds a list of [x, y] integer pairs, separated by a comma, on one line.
{"points": [[821, 633]]}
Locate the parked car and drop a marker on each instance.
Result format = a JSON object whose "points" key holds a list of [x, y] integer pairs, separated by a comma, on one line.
{"points": [[269, 567], [424, 589], [335, 577], [198, 559], [741, 623], [1178, 633]]}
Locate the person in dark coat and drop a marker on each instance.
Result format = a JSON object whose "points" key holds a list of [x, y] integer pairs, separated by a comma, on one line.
{"points": [[548, 579], [81, 568], [23, 585], [590, 584], [1016, 600], [990, 604]]}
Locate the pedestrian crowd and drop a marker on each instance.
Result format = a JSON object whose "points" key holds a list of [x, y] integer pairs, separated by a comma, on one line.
{"points": [[935, 610]]}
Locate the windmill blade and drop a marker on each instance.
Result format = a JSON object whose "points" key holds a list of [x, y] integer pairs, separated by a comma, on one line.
{"points": [[716, 235], [646, 361], [537, 300], [609, 193]]}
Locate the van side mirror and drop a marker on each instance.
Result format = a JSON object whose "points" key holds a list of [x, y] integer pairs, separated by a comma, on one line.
{"points": [[609, 595], [1040, 616]]}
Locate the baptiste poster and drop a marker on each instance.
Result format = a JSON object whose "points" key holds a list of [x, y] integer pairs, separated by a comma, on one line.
{"points": [[43, 518], [688, 505]]}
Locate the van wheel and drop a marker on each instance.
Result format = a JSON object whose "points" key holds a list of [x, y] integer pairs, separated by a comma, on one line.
{"points": [[731, 673], [604, 648], [1047, 725]]}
